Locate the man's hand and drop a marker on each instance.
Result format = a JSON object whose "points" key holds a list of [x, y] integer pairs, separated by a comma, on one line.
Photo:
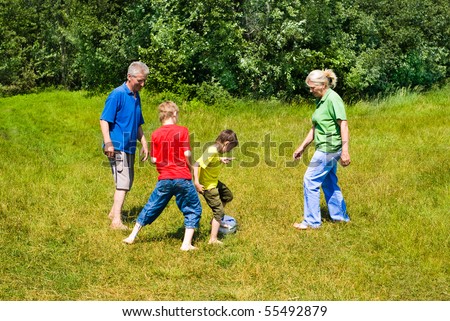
{"points": [[109, 150], [144, 152]]}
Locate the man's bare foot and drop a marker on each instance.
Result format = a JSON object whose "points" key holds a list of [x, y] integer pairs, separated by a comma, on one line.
{"points": [[215, 242], [128, 240], [188, 248], [118, 226]]}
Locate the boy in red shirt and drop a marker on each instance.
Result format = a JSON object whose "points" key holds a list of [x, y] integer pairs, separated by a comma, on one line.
{"points": [[171, 152]]}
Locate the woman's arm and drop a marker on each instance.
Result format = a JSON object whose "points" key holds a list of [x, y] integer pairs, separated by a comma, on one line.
{"points": [[345, 136], [308, 139]]}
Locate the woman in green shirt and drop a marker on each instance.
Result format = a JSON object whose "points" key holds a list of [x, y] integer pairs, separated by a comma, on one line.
{"points": [[331, 138]]}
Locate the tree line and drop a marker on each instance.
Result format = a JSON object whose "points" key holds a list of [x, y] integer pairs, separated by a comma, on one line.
{"points": [[259, 49]]}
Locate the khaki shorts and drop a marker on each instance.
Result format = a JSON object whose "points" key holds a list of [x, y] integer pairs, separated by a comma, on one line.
{"points": [[216, 198], [122, 167]]}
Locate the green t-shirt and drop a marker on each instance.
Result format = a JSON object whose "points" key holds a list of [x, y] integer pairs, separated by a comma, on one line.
{"points": [[210, 166], [327, 133]]}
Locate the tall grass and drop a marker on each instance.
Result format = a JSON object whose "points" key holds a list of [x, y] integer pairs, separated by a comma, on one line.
{"points": [[56, 191]]}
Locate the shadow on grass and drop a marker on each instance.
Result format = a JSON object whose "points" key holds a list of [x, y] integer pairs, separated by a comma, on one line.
{"points": [[130, 216], [326, 215]]}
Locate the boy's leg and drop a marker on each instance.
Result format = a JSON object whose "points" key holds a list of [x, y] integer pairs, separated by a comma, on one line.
{"points": [[212, 198], [130, 239], [189, 204], [187, 241], [226, 195], [214, 232], [157, 201]]}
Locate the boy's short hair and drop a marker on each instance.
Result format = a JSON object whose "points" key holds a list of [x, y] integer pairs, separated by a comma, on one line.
{"points": [[167, 110], [228, 135]]}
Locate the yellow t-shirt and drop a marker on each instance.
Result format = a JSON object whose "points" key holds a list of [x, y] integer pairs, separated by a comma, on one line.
{"points": [[210, 166]]}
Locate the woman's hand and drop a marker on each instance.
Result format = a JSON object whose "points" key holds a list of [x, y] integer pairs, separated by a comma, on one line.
{"points": [[345, 158], [298, 152]]}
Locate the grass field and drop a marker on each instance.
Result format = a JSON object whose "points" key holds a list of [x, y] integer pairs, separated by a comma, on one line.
{"points": [[56, 191]]}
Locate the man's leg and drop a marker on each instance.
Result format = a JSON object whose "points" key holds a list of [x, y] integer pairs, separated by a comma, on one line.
{"points": [[122, 166], [116, 210]]}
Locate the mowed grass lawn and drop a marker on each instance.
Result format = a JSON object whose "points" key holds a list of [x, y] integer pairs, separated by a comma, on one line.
{"points": [[56, 191]]}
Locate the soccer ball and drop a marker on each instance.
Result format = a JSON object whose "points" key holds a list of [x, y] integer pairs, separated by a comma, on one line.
{"points": [[228, 225]]}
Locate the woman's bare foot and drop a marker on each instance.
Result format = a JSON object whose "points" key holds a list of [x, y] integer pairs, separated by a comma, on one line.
{"points": [[188, 247]]}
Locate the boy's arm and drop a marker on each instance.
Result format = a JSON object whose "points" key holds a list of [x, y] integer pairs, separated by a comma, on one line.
{"points": [[198, 186], [188, 156]]}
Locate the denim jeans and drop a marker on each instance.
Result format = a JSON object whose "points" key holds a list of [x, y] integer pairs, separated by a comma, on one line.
{"points": [[186, 198], [321, 172]]}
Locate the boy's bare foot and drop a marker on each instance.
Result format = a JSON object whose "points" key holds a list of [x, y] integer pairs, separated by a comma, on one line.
{"points": [[188, 248], [215, 242], [118, 226], [128, 240]]}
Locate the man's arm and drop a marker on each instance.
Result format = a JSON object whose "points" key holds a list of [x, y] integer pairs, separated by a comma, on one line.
{"points": [[109, 147], [141, 138]]}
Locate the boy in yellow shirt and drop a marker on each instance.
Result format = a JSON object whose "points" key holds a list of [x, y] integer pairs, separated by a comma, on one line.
{"points": [[206, 178]]}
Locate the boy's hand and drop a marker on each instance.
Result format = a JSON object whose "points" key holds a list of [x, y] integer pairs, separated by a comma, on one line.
{"points": [[226, 160], [199, 187]]}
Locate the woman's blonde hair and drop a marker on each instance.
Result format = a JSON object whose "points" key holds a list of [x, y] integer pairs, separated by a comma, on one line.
{"points": [[325, 77], [167, 110]]}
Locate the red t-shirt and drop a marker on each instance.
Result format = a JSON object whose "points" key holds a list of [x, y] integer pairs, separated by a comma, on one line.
{"points": [[168, 144]]}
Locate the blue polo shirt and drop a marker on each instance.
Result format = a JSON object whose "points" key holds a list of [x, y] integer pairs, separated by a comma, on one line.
{"points": [[124, 114]]}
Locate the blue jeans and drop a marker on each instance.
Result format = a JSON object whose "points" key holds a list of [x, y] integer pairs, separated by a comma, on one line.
{"points": [[186, 198], [321, 172]]}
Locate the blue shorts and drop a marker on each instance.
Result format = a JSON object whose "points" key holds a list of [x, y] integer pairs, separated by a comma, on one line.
{"points": [[186, 198]]}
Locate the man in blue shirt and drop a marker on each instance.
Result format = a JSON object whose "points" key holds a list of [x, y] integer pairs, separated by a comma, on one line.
{"points": [[121, 124]]}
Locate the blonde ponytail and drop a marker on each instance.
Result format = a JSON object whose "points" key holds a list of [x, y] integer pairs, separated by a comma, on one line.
{"points": [[325, 77], [331, 76]]}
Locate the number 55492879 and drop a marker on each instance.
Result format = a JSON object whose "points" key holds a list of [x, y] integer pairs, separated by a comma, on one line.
{"points": [[297, 311]]}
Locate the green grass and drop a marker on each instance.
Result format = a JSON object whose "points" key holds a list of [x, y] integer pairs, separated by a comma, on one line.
{"points": [[56, 191]]}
